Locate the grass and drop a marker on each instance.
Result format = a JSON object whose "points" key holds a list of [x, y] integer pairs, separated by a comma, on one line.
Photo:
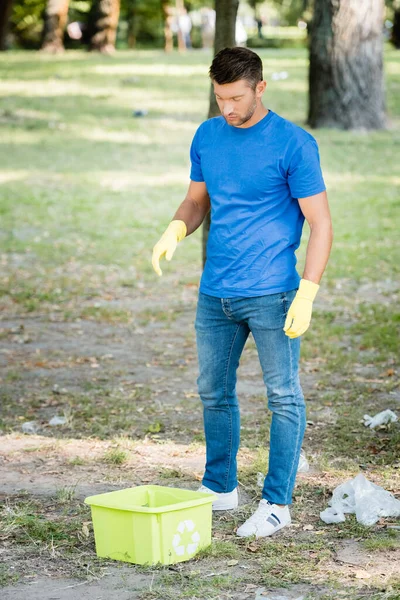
{"points": [[115, 456], [86, 190], [52, 529]]}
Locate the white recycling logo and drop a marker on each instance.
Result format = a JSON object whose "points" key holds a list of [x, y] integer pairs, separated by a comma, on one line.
{"points": [[191, 548]]}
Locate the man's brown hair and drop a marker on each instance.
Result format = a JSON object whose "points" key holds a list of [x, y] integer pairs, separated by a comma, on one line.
{"points": [[232, 64]]}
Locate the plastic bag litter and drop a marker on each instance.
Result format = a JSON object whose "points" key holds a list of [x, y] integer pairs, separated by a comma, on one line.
{"points": [[57, 420], [367, 500], [303, 467], [30, 427], [385, 416]]}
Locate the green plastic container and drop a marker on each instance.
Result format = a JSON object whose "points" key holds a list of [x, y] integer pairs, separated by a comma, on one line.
{"points": [[151, 524]]}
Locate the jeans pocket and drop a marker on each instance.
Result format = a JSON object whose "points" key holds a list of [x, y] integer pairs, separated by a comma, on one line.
{"points": [[271, 311]]}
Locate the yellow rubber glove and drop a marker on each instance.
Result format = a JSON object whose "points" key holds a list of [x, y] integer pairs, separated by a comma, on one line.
{"points": [[299, 314], [167, 244]]}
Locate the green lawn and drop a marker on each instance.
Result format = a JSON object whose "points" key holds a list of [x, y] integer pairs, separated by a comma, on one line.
{"points": [[84, 180]]}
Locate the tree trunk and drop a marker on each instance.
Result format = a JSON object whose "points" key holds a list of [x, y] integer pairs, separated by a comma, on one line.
{"points": [[346, 65], [131, 20], [225, 24], [168, 19], [395, 37], [5, 12], [55, 20], [105, 15]]}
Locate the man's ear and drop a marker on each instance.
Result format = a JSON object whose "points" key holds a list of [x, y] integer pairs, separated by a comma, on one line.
{"points": [[260, 88]]}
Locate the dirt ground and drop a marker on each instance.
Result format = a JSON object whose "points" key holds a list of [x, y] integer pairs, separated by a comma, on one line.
{"points": [[131, 386]]}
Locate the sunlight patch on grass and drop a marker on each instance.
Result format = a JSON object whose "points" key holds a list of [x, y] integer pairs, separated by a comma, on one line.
{"points": [[153, 69]]}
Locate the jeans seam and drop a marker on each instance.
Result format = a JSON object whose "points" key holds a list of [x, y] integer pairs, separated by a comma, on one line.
{"points": [[298, 416], [226, 400]]}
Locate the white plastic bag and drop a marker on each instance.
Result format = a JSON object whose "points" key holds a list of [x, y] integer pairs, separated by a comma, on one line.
{"points": [[332, 514], [30, 427], [303, 467], [386, 416], [368, 501]]}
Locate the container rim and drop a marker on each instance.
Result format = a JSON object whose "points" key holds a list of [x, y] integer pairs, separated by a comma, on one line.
{"points": [[105, 501]]}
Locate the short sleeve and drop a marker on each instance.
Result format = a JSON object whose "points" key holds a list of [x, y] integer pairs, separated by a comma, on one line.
{"points": [[196, 173], [304, 173]]}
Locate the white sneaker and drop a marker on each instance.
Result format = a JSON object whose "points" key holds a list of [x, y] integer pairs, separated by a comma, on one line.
{"points": [[267, 519], [223, 501]]}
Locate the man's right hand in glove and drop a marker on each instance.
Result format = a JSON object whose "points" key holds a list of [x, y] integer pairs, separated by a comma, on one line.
{"points": [[168, 242]]}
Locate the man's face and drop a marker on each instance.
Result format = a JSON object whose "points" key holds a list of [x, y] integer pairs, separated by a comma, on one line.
{"points": [[237, 101]]}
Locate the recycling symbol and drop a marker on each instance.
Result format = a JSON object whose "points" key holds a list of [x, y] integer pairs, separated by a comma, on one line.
{"points": [[177, 543]]}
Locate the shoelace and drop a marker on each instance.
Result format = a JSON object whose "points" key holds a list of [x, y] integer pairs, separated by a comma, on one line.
{"points": [[263, 511]]}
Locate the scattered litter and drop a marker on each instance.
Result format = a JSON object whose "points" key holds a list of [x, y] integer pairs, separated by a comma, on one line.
{"points": [[303, 467], [367, 500], [260, 480], [58, 420], [130, 81], [332, 515], [385, 416], [30, 427], [58, 390], [140, 113], [281, 75]]}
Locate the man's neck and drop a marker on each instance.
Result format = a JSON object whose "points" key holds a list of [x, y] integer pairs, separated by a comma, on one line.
{"points": [[259, 114]]}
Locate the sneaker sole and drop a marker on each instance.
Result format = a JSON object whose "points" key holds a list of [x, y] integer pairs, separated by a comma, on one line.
{"points": [[225, 506]]}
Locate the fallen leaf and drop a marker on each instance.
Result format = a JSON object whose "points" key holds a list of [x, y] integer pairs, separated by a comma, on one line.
{"points": [[308, 527], [85, 530], [252, 547], [232, 563]]}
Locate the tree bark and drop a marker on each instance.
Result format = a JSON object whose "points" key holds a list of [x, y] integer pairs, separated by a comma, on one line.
{"points": [[346, 65], [168, 18], [225, 24], [55, 20], [131, 20], [105, 15], [5, 12]]}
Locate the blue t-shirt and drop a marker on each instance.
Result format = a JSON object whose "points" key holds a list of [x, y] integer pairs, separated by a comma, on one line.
{"points": [[254, 176]]}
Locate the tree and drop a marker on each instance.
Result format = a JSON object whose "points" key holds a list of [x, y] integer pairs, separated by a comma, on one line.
{"points": [[395, 37], [55, 21], [346, 65], [5, 12], [105, 17], [225, 23]]}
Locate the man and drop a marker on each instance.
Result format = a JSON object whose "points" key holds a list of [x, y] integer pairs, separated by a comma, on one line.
{"points": [[261, 177]]}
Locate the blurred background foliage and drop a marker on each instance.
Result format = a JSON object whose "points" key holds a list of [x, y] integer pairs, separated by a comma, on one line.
{"points": [[141, 22]]}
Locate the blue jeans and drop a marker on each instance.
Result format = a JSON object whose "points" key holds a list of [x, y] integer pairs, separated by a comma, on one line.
{"points": [[222, 328]]}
